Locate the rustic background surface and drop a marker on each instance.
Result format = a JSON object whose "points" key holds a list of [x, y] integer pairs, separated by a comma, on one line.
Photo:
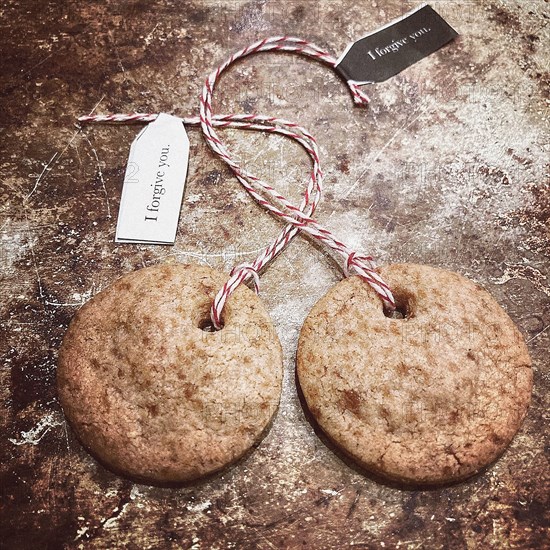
{"points": [[446, 167]]}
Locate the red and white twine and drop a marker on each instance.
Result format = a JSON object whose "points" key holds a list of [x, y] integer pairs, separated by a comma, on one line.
{"points": [[298, 218]]}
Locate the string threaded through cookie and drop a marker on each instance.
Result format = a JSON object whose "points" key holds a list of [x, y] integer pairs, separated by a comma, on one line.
{"points": [[297, 217]]}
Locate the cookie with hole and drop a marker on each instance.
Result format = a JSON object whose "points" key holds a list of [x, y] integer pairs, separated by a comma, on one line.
{"points": [[427, 397], [155, 394]]}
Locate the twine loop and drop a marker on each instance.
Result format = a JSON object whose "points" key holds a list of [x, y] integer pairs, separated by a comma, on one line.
{"points": [[297, 218]]}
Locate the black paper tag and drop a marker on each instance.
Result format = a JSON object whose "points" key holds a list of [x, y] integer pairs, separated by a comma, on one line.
{"points": [[386, 52]]}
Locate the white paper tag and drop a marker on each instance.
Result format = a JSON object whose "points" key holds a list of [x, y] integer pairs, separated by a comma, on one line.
{"points": [[153, 184]]}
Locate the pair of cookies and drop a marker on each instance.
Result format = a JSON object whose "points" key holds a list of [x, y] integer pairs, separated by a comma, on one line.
{"points": [[430, 398]]}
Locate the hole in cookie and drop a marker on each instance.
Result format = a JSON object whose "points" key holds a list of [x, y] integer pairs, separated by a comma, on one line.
{"points": [[206, 325], [397, 313], [402, 310]]}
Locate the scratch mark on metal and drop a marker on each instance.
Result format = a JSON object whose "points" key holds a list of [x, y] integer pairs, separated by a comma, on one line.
{"points": [[386, 145], [37, 64], [100, 174], [539, 333], [50, 165], [33, 257]]}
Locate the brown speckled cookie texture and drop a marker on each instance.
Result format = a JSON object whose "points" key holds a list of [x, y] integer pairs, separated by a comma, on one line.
{"points": [[429, 399], [156, 397]]}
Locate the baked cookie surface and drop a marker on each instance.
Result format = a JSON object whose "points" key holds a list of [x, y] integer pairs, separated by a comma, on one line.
{"points": [[428, 399], [153, 395]]}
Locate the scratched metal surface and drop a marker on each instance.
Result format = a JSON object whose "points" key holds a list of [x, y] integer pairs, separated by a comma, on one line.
{"points": [[446, 167]]}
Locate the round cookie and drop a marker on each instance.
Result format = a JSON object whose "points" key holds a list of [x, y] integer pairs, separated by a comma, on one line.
{"points": [[153, 395], [428, 399]]}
